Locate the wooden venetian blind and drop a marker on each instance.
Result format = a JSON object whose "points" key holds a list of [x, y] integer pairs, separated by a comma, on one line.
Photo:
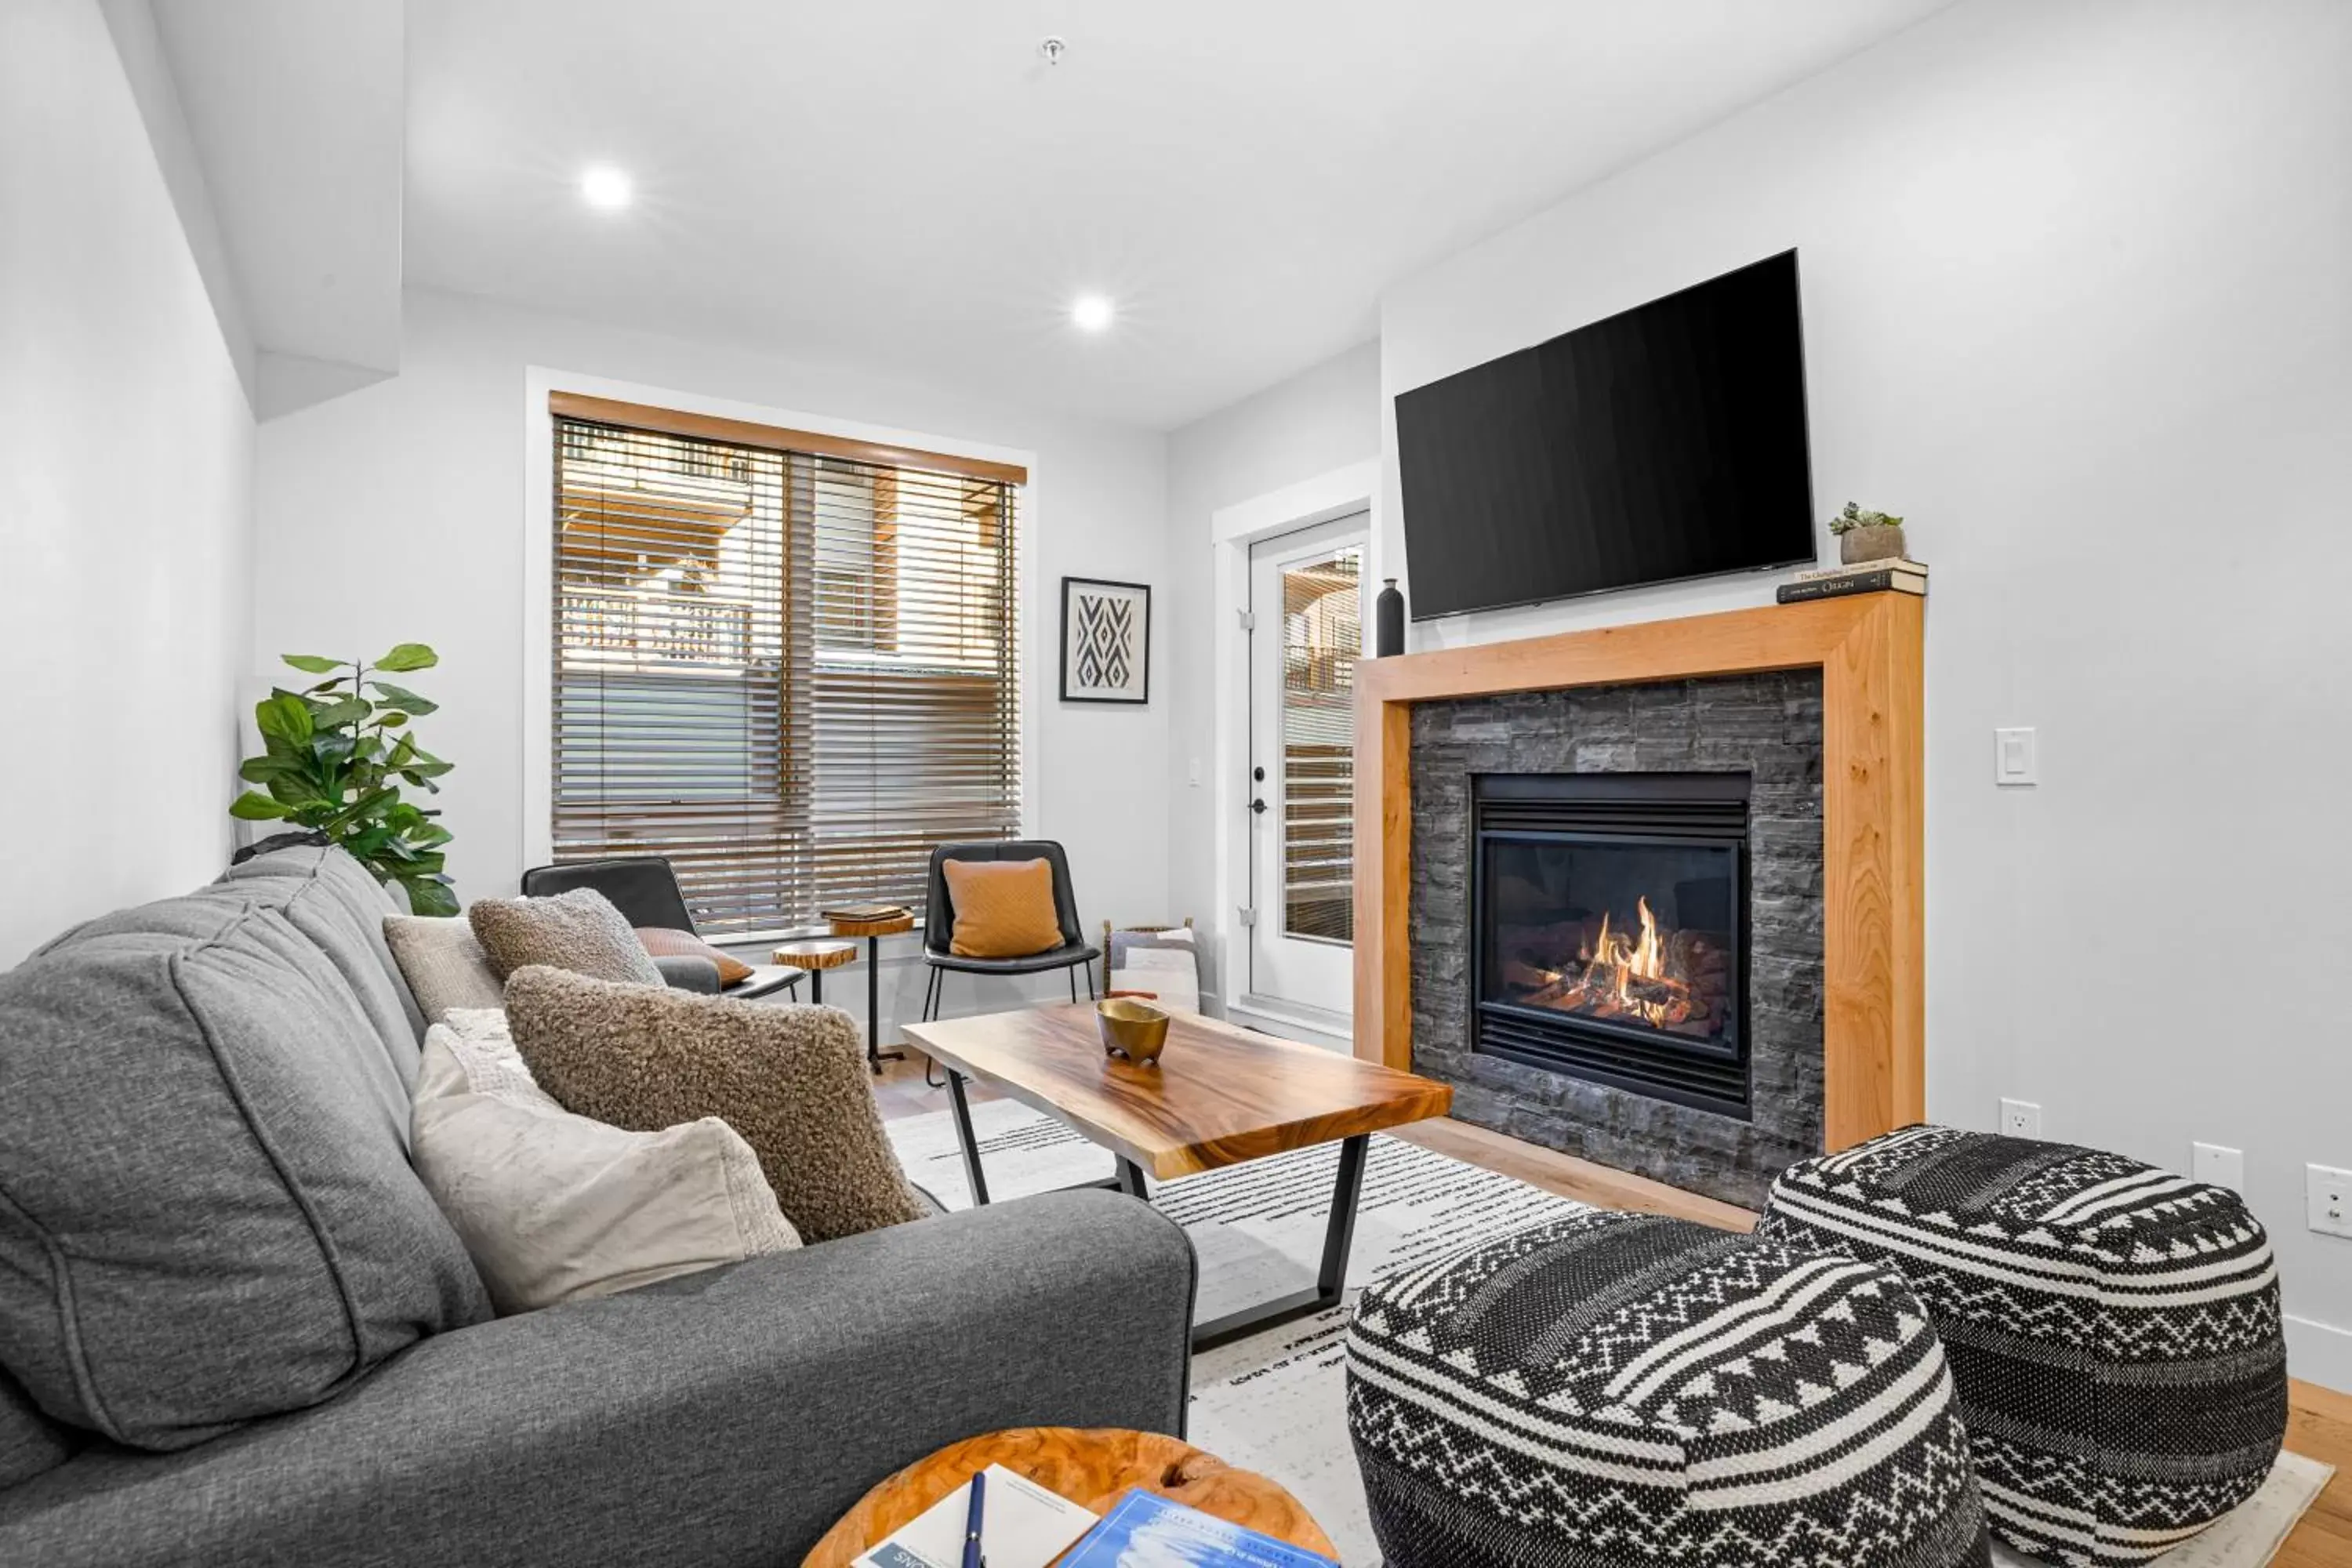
{"points": [[791, 672]]}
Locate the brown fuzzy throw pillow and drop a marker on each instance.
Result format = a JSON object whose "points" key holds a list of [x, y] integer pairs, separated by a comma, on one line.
{"points": [[791, 1080], [579, 930]]}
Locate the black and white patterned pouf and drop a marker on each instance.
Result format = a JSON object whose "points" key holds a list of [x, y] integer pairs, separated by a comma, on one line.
{"points": [[1619, 1389], [2114, 1329]]}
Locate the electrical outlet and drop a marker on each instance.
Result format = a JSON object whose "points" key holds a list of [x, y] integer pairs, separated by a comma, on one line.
{"points": [[2330, 1193], [2222, 1166], [2021, 1119]]}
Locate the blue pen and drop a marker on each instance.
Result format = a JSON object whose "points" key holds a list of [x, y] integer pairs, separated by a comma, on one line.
{"points": [[972, 1557]]}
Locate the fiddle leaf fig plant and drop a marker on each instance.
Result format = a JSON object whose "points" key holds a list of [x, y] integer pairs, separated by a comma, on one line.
{"points": [[336, 756]]}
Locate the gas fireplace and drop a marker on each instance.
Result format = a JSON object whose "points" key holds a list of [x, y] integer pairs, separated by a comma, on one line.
{"points": [[1608, 928]]}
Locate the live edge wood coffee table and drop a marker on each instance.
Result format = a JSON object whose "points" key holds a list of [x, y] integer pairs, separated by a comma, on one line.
{"points": [[1219, 1096], [1092, 1469]]}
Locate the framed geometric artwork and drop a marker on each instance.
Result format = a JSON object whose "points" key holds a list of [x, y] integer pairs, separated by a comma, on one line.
{"points": [[1106, 641]]}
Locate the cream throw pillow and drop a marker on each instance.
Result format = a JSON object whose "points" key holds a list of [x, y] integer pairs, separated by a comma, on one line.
{"points": [[555, 1206], [443, 965]]}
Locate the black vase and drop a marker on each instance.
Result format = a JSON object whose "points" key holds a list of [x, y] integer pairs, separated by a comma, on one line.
{"points": [[1388, 622]]}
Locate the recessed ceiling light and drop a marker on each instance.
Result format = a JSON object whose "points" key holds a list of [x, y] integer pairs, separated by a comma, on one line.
{"points": [[605, 187], [1092, 312]]}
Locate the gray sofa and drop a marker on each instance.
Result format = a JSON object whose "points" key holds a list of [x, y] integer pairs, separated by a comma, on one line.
{"points": [[233, 1329]]}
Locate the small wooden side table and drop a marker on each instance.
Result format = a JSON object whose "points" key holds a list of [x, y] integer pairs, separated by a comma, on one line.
{"points": [[816, 956], [874, 931], [1094, 1468]]}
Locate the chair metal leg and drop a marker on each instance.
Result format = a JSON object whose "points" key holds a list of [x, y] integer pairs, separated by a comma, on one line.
{"points": [[931, 993], [1074, 984]]}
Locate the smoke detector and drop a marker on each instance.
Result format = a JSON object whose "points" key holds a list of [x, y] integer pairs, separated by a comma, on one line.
{"points": [[1051, 49]]}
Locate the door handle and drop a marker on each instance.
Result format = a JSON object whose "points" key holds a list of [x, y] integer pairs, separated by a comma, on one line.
{"points": [[1258, 807]]}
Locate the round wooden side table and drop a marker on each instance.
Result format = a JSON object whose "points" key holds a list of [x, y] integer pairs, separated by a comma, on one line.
{"points": [[816, 957], [1093, 1468], [874, 931]]}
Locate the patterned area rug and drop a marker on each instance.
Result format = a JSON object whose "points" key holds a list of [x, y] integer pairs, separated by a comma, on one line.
{"points": [[1276, 1402]]}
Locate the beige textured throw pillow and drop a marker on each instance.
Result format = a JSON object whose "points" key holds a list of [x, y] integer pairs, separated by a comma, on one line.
{"points": [[554, 1207], [579, 930], [791, 1080], [443, 965]]}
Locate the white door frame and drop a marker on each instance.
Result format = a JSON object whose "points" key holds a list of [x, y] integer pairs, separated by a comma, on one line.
{"points": [[1231, 531]]}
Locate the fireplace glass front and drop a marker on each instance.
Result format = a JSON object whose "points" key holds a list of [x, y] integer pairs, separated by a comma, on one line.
{"points": [[1608, 922]]}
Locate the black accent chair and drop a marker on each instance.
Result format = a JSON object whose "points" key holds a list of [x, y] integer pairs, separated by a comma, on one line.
{"points": [[645, 890], [938, 920]]}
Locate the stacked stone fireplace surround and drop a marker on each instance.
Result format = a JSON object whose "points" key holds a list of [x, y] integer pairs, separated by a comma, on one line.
{"points": [[1768, 725]]}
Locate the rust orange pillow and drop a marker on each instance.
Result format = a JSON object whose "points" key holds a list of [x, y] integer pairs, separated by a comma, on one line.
{"points": [[1003, 909], [664, 943]]}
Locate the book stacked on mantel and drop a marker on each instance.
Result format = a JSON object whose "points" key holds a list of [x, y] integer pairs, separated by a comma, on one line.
{"points": [[1869, 577]]}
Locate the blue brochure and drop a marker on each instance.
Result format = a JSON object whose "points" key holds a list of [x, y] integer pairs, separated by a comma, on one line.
{"points": [[1145, 1531]]}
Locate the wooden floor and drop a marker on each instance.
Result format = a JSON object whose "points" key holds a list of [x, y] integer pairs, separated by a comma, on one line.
{"points": [[2319, 1424]]}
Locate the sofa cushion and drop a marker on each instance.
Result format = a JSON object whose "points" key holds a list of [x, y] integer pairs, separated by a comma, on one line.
{"points": [[209, 1213], [30, 1441], [791, 1080], [338, 903]]}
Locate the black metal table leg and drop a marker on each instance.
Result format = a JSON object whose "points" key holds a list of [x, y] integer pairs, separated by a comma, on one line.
{"points": [[1331, 1279], [965, 1139], [1130, 1180], [816, 986], [874, 1055]]}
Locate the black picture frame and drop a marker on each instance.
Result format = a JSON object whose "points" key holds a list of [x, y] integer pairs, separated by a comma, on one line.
{"points": [[1140, 693]]}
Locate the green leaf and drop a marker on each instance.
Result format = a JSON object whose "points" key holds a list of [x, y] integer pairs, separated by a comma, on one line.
{"points": [[426, 767], [401, 697], [311, 663], [430, 895], [408, 655], [252, 807], [297, 789], [337, 715], [430, 837], [282, 716], [261, 770], [391, 720]]}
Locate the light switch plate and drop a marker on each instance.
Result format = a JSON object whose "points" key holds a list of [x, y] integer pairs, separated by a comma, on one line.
{"points": [[2330, 1192], [2021, 1119], [2014, 758], [2220, 1165]]}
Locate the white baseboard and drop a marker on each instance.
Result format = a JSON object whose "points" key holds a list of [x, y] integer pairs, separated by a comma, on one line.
{"points": [[1312, 1025], [2319, 1352]]}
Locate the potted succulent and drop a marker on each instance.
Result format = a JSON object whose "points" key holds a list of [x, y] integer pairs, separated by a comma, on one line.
{"points": [[1865, 536], [335, 757]]}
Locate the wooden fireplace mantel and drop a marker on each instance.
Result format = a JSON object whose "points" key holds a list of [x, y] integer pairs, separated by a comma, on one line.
{"points": [[1868, 649]]}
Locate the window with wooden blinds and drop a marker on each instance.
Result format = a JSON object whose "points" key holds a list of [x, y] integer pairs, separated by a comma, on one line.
{"points": [[790, 672]]}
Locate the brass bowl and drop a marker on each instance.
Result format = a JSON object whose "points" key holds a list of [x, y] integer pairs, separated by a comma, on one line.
{"points": [[1133, 1029]]}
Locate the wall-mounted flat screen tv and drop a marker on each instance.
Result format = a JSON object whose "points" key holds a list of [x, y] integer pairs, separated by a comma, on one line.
{"points": [[1662, 443]]}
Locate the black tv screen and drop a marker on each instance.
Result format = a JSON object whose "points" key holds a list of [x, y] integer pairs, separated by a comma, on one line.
{"points": [[1666, 442]]}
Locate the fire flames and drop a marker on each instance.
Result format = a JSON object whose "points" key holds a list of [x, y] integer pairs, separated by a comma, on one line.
{"points": [[1623, 976]]}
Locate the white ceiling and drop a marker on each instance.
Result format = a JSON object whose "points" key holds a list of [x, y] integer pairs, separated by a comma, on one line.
{"points": [[905, 184], [296, 111]]}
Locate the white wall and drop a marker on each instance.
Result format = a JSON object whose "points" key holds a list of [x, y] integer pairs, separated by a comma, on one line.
{"points": [[126, 452], [1326, 418], [2078, 301], [396, 513]]}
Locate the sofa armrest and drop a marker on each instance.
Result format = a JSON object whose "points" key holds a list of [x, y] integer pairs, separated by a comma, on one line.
{"points": [[728, 1417], [688, 972]]}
